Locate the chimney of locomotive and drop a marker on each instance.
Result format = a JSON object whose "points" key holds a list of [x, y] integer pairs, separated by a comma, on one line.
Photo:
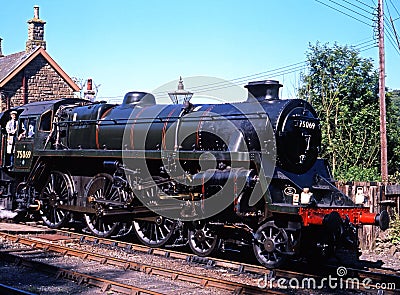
{"points": [[262, 90]]}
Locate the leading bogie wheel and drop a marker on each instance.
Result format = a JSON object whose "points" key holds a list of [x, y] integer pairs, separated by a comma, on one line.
{"points": [[101, 188], [270, 245], [57, 191]]}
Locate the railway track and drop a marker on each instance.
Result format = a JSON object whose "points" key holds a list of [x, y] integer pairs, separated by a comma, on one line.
{"points": [[78, 277], [265, 277], [127, 265], [297, 271]]}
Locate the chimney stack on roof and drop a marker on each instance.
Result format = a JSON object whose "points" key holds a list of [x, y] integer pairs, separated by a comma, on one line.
{"points": [[36, 12], [1, 52], [35, 31]]}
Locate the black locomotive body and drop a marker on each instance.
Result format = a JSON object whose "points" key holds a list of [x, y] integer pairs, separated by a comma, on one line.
{"points": [[202, 174]]}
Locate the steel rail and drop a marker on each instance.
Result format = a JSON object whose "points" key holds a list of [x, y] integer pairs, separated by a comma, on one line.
{"points": [[236, 266], [378, 277], [236, 288], [80, 278]]}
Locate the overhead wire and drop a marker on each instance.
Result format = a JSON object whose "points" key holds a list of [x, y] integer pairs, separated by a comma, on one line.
{"points": [[392, 29], [280, 71], [349, 15], [390, 33], [267, 74], [365, 4], [343, 6], [391, 41], [389, 30], [352, 4], [236, 80], [387, 21], [364, 46], [368, 40], [367, 47], [395, 8], [388, 24], [229, 83]]}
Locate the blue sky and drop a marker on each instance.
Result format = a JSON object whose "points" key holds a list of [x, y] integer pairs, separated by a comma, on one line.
{"points": [[139, 45]]}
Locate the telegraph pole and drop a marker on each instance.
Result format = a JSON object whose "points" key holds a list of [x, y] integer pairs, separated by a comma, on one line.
{"points": [[382, 103]]}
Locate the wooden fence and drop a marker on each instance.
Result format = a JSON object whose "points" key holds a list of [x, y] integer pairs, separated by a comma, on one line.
{"points": [[377, 197]]}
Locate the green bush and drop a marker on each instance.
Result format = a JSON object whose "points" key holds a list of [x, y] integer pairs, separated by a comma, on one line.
{"points": [[394, 233], [355, 173]]}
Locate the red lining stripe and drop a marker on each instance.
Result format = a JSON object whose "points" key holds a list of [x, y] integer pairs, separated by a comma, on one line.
{"points": [[164, 130], [133, 127], [98, 125]]}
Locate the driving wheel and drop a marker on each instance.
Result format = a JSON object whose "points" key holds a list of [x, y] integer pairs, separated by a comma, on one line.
{"points": [[57, 191], [101, 188], [154, 233]]}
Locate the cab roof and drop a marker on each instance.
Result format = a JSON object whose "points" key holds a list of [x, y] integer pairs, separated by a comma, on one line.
{"points": [[37, 108]]}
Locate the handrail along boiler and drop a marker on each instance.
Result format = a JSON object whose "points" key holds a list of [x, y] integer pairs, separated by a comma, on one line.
{"points": [[154, 169]]}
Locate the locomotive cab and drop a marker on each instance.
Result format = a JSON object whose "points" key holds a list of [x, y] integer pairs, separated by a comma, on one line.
{"points": [[7, 159], [34, 132], [23, 152]]}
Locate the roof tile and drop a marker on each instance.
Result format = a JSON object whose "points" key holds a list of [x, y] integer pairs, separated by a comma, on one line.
{"points": [[10, 62]]}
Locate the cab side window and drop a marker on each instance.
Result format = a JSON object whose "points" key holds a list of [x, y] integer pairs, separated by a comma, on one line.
{"points": [[31, 127], [27, 128], [45, 122], [22, 128]]}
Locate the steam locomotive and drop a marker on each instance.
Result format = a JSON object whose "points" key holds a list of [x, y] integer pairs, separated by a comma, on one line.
{"points": [[206, 175]]}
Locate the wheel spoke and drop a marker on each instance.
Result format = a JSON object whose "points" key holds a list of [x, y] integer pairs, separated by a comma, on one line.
{"points": [[51, 184], [264, 235], [160, 229], [166, 229], [207, 244], [58, 215], [156, 233], [101, 188], [54, 219]]}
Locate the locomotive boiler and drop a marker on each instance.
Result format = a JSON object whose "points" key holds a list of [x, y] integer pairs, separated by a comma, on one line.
{"points": [[202, 174]]}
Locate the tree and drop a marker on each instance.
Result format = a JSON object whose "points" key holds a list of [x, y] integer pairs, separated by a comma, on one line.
{"points": [[343, 88], [395, 98], [393, 134]]}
